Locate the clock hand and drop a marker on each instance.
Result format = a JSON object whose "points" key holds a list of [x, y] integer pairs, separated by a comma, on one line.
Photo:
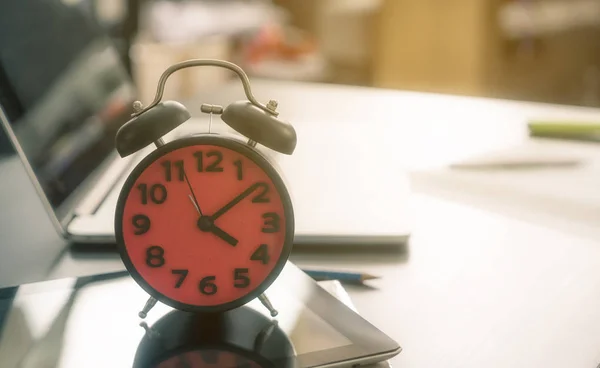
{"points": [[236, 200], [192, 196], [223, 235], [195, 204], [205, 223]]}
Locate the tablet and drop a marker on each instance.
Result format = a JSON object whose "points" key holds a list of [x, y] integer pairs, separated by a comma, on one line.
{"points": [[93, 322]]}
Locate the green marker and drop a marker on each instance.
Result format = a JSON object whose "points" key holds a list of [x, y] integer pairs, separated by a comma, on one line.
{"points": [[565, 130]]}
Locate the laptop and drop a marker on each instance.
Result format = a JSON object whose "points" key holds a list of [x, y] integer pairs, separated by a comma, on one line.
{"points": [[64, 92]]}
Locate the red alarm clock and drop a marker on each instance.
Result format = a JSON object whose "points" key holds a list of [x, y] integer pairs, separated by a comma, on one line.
{"points": [[205, 223]]}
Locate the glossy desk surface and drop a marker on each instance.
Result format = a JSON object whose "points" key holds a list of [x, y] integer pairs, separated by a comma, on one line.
{"points": [[473, 288]]}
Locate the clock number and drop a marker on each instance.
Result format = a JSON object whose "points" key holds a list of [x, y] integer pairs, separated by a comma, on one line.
{"points": [[261, 197], [141, 224], [182, 275], [144, 191], [238, 164], [178, 166], [241, 279], [158, 193], [155, 256], [199, 160], [271, 222], [207, 287], [213, 166], [261, 254]]}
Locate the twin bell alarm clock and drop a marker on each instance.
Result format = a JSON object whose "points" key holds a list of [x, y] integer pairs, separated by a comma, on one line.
{"points": [[205, 223]]}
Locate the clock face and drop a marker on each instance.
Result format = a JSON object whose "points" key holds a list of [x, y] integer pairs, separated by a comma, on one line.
{"points": [[208, 358], [204, 223]]}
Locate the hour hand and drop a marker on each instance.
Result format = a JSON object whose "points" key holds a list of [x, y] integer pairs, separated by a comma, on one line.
{"points": [[223, 235], [206, 224]]}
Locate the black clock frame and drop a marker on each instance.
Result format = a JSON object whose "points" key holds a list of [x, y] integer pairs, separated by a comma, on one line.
{"points": [[246, 151]]}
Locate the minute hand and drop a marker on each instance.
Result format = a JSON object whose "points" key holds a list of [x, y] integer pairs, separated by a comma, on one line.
{"points": [[236, 200]]}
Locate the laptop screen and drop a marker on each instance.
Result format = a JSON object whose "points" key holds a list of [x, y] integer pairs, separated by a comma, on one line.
{"points": [[63, 90]]}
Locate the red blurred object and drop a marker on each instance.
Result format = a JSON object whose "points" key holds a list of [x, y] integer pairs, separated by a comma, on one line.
{"points": [[275, 42]]}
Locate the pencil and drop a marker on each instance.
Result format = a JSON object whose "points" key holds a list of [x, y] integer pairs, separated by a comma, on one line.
{"points": [[344, 276]]}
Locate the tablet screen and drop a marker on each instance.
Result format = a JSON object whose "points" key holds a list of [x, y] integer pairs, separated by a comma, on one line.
{"points": [[94, 323]]}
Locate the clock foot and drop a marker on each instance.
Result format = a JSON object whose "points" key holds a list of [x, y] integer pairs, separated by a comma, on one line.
{"points": [[149, 305], [265, 301], [149, 331], [263, 335]]}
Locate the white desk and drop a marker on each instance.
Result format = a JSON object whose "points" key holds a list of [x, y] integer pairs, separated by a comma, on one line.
{"points": [[472, 288]]}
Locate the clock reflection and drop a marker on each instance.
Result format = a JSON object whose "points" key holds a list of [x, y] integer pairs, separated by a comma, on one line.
{"points": [[240, 337]]}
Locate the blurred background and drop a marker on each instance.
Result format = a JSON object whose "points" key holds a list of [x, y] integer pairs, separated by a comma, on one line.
{"points": [[532, 50]]}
